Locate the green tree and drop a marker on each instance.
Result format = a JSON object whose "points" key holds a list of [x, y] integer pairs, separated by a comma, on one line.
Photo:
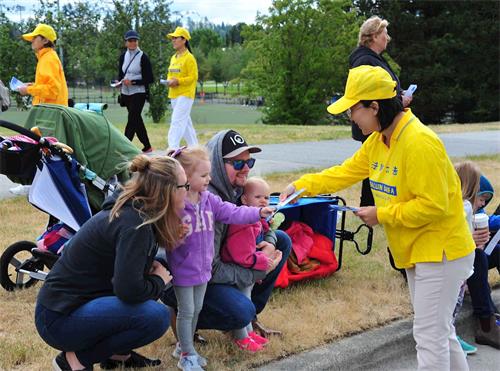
{"points": [[450, 50], [206, 40], [300, 59]]}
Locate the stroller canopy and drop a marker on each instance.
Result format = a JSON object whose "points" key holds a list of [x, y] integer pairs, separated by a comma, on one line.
{"points": [[97, 144]]}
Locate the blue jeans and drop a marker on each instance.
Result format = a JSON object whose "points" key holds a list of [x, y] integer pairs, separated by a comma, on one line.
{"points": [[227, 308], [479, 288], [102, 327]]}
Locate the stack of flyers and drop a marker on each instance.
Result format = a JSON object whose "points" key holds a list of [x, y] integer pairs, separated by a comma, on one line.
{"points": [[15, 84]]}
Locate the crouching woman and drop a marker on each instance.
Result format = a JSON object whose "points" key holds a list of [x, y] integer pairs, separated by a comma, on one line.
{"points": [[99, 300]]}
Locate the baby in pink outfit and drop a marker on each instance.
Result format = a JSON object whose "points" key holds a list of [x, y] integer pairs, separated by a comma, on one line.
{"points": [[242, 247]]}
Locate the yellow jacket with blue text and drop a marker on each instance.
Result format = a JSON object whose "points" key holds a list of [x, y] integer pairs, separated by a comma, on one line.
{"points": [[416, 190]]}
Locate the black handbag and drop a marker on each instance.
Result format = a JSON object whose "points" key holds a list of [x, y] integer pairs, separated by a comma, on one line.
{"points": [[120, 100]]}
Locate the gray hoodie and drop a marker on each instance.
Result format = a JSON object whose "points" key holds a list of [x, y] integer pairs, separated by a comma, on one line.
{"points": [[227, 273]]}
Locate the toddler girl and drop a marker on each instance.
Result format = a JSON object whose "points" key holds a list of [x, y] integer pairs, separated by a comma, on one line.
{"points": [[469, 175], [191, 261]]}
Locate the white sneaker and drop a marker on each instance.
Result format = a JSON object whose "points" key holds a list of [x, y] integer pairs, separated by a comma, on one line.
{"points": [[20, 190], [189, 363], [202, 361]]}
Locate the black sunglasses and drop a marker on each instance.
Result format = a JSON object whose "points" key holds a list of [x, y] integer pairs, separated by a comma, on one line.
{"points": [[240, 164], [186, 186]]}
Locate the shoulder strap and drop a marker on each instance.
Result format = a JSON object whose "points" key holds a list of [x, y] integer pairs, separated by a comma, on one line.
{"points": [[129, 63]]}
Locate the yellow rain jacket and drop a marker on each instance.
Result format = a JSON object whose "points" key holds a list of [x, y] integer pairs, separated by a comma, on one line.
{"points": [[416, 190], [50, 83], [184, 69]]}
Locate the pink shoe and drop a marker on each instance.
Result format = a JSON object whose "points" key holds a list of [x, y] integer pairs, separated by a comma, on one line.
{"points": [[147, 150], [257, 338], [248, 344]]}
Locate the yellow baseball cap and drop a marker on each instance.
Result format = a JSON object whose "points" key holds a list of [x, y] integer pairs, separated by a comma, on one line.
{"points": [[43, 30], [364, 83], [179, 31]]}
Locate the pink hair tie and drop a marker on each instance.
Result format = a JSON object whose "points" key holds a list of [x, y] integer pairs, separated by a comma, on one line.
{"points": [[178, 151]]}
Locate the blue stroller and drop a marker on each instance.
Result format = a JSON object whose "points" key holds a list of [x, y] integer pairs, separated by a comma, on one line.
{"points": [[62, 185]]}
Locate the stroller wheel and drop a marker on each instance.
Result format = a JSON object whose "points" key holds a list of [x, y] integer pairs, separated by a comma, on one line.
{"points": [[13, 257]]}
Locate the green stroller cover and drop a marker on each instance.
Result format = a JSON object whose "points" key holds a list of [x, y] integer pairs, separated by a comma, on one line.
{"points": [[96, 143]]}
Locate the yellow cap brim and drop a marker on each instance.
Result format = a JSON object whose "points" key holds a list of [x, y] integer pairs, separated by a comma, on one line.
{"points": [[341, 105], [29, 36], [173, 34]]}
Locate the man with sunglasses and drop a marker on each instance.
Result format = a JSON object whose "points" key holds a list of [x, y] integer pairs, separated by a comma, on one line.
{"points": [[225, 307]]}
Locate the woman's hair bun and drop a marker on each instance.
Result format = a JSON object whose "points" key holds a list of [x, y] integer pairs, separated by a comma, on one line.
{"points": [[140, 163]]}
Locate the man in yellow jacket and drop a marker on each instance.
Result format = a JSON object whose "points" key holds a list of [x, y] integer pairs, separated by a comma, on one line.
{"points": [[50, 82], [418, 201]]}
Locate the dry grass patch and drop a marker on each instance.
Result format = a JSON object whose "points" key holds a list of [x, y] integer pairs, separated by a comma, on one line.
{"points": [[365, 293], [269, 134]]}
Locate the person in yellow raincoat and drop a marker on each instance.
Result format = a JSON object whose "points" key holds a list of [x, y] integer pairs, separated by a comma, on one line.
{"points": [[50, 82], [418, 201]]}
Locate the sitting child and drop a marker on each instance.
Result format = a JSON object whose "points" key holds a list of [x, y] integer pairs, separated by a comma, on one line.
{"points": [[242, 247]]}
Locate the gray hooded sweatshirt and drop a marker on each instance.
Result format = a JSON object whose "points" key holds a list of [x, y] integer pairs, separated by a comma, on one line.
{"points": [[228, 273]]}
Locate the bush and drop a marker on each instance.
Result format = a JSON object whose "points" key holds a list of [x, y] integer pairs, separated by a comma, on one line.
{"points": [[157, 101]]}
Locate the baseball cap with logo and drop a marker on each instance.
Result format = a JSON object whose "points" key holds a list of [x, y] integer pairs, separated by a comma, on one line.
{"points": [[233, 144], [364, 83], [41, 30], [180, 32]]}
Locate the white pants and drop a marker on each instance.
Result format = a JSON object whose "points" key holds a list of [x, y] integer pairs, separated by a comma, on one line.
{"points": [[434, 289], [181, 125]]}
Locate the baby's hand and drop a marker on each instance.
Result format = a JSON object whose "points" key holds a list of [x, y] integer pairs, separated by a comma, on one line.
{"points": [[267, 248]]}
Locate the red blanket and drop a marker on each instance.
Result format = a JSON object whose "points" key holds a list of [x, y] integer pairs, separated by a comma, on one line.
{"points": [[316, 246]]}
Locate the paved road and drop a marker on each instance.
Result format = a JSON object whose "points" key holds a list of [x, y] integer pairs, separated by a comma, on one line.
{"points": [[296, 156], [386, 348]]}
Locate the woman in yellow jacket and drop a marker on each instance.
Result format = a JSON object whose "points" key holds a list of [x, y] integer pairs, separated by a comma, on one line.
{"points": [[418, 202], [181, 80], [50, 82]]}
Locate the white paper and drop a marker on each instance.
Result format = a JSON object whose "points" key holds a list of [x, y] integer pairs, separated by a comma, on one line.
{"points": [[493, 242], [285, 202], [115, 84], [15, 84], [411, 89], [44, 195]]}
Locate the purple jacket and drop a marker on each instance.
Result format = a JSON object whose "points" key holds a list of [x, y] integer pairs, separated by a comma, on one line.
{"points": [[190, 263]]}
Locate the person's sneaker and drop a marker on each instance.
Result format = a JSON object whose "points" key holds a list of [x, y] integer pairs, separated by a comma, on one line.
{"points": [[61, 364], [466, 347], [491, 337], [134, 361], [189, 363], [248, 344], [147, 150], [202, 361], [258, 339]]}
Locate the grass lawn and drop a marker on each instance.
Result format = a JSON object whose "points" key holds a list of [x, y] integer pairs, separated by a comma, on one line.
{"points": [[365, 293], [211, 118]]}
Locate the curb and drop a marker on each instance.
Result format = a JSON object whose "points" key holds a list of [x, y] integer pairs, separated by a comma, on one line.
{"points": [[371, 349]]}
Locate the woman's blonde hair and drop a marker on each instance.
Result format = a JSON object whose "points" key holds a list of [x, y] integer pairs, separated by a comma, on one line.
{"points": [[152, 189], [469, 175], [188, 157], [371, 27]]}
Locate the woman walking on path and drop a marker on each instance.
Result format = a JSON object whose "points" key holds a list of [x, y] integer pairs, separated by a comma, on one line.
{"points": [[418, 201], [50, 82], [181, 80], [135, 73], [372, 42]]}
